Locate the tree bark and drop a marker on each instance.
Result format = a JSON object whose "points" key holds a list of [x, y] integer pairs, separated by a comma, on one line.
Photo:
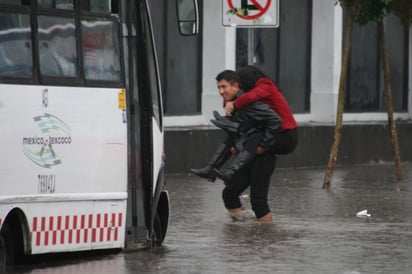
{"points": [[341, 101], [389, 103]]}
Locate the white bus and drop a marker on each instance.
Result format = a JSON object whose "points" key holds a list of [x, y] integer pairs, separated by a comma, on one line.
{"points": [[81, 129]]}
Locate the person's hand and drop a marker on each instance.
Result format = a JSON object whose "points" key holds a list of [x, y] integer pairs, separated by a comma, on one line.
{"points": [[260, 150], [233, 150], [229, 108]]}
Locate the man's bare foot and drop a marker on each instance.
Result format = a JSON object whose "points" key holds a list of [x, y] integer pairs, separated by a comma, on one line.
{"points": [[266, 218], [239, 209], [241, 214]]}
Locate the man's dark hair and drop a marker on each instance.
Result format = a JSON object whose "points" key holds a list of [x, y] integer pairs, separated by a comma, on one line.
{"points": [[228, 75], [248, 77]]}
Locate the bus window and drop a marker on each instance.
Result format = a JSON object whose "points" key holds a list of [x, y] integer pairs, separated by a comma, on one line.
{"points": [[15, 45], [57, 46], [45, 3], [58, 4], [100, 6], [14, 2], [187, 16], [101, 50]]}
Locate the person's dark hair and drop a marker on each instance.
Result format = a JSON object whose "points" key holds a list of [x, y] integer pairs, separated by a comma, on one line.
{"points": [[248, 76], [228, 75]]}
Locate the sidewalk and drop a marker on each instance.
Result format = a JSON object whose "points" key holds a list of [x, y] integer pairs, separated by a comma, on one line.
{"points": [[360, 144], [314, 230]]}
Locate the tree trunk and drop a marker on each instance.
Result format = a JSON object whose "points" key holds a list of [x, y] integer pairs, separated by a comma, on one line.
{"points": [[389, 104], [341, 101]]}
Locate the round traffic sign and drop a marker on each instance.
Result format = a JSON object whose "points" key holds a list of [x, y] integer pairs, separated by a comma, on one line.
{"points": [[261, 9]]}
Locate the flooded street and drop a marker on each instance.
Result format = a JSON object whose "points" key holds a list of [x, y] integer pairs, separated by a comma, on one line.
{"points": [[314, 231]]}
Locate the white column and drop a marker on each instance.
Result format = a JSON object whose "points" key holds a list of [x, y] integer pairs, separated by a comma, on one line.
{"points": [[219, 51], [326, 59]]}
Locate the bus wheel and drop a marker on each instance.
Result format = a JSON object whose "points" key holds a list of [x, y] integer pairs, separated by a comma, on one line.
{"points": [[7, 247], [157, 236], [2, 253]]}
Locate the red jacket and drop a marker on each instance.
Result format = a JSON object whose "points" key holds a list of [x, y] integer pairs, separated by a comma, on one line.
{"points": [[266, 91]]}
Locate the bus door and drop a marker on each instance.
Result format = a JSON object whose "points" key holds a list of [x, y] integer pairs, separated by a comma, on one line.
{"points": [[148, 203]]}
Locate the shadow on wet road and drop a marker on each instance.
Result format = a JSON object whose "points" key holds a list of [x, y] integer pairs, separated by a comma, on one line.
{"points": [[314, 230]]}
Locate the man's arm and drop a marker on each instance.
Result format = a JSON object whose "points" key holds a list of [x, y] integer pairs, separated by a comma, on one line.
{"points": [[263, 89]]}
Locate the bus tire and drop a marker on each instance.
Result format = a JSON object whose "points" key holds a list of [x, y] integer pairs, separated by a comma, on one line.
{"points": [[2, 253], [157, 237], [7, 247]]}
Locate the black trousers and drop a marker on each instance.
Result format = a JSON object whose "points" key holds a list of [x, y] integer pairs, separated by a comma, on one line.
{"points": [[286, 142], [256, 175]]}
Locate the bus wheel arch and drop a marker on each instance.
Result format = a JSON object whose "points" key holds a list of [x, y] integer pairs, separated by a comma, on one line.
{"points": [[14, 237]]}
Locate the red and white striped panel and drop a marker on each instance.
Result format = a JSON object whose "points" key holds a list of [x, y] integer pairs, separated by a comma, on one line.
{"points": [[76, 229]]}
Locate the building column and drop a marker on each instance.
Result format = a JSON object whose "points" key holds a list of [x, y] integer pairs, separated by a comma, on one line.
{"points": [[326, 59], [219, 52]]}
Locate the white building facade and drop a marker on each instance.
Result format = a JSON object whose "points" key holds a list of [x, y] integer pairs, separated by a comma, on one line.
{"points": [[304, 57]]}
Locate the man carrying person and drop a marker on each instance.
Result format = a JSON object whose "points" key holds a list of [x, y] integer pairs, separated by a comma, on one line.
{"points": [[252, 135]]}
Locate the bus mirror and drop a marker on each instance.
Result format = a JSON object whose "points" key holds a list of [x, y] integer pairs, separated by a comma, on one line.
{"points": [[188, 16]]}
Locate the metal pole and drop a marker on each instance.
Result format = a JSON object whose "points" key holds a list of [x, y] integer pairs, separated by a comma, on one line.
{"points": [[250, 46]]}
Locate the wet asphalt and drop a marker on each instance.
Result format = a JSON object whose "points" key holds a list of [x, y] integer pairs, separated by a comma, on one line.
{"points": [[314, 230]]}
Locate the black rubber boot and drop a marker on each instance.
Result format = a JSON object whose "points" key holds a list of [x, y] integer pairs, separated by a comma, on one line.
{"points": [[243, 158], [206, 172], [226, 124], [219, 158], [218, 116]]}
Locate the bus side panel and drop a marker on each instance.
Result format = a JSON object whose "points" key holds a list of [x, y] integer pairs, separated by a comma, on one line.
{"points": [[64, 165], [59, 140], [75, 226]]}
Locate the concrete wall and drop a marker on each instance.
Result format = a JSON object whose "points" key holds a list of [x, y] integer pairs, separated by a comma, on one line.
{"points": [[192, 147]]}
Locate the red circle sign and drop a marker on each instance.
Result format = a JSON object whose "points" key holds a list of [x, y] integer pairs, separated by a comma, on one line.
{"points": [[261, 9]]}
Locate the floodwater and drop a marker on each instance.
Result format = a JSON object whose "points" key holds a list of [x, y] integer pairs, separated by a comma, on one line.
{"points": [[314, 230]]}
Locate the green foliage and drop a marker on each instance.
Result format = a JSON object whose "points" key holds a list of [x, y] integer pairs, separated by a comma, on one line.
{"points": [[366, 11], [372, 11], [403, 9]]}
